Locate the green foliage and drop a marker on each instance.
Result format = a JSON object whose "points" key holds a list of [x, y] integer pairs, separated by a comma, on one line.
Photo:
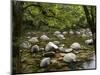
{"points": [[54, 15]]}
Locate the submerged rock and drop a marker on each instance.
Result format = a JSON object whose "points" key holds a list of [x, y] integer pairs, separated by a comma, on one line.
{"points": [[75, 46], [25, 44], [35, 49], [45, 62], [51, 46], [33, 40], [69, 57], [44, 38]]}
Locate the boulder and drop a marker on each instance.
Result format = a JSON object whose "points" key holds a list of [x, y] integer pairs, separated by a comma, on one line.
{"points": [[34, 40], [35, 49], [75, 46], [69, 57], [71, 32], [89, 41], [44, 38], [51, 47], [60, 36], [45, 62], [89, 34], [57, 32], [65, 32], [78, 33]]}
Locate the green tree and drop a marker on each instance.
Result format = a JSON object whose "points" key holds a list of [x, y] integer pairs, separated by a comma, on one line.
{"points": [[90, 12]]}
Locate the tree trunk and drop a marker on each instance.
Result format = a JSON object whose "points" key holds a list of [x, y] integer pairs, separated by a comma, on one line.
{"points": [[91, 19], [17, 15]]}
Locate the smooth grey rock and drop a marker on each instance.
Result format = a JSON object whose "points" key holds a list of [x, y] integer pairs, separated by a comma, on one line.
{"points": [[57, 32], [60, 36], [69, 57], [65, 32], [51, 46], [71, 32], [76, 46], [45, 62], [44, 38], [78, 33], [35, 48], [34, 40], [89, 41]]}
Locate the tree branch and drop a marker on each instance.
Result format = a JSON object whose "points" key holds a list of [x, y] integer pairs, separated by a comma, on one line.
{"points": [[37, 5]]}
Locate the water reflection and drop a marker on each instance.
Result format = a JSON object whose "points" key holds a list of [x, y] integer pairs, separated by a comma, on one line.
{"points": [[90, 64]]}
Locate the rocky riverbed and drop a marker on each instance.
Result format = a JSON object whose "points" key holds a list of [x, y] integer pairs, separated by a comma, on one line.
{"points": [[30, 62]]}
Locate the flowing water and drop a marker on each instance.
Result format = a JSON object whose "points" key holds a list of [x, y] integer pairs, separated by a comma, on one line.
{"points": [[90, 64]]}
